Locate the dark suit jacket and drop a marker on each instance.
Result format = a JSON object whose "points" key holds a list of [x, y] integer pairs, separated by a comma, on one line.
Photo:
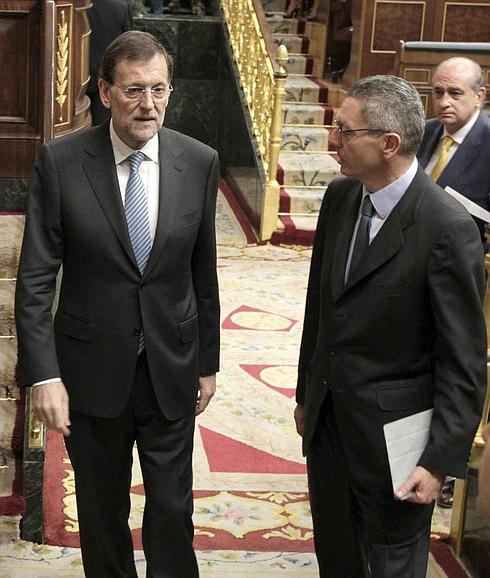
{"points": [[75, 217], [468, 171], [108, 19], [405, 334]]}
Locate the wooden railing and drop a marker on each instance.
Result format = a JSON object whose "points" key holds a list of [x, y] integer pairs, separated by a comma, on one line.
{"points": [[262, 77]]}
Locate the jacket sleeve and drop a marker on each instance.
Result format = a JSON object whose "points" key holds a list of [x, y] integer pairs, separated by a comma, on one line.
{"points": [[40, 260], [312, 308], [456, 283], [205, 278]]}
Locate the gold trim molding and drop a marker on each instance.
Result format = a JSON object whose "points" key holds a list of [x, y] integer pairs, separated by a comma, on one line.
{"points": [[62, 85]]}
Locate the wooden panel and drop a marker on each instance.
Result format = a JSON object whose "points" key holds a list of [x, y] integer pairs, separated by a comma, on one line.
{"points": [[13, 30], [22, 77], [386, 24], [466, 22], [378, 26]]}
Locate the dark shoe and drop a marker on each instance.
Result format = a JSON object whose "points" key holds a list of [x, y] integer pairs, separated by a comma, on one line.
{"points": [[446, 497]]}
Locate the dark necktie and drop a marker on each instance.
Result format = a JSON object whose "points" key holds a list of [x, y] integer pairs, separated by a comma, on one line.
{"points": [[361, 242]]}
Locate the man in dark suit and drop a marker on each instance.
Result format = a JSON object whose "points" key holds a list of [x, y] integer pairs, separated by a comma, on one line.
{"points": [[133, 350], [458, 94], [393, 327], [457, 97], [108, 19]]}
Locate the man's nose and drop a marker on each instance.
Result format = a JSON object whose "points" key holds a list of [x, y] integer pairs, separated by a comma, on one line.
{"points": [[146, 101], [334, 137]]}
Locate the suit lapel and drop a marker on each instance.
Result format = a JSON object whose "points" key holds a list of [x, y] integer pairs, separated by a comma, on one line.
{"points": [[346, 221], [172, 170], [100, 169], [430, 145], [390, 238], [466, 152]]}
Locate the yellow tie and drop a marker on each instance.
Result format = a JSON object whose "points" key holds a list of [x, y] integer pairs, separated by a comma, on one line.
{"points": [[446, 143]]}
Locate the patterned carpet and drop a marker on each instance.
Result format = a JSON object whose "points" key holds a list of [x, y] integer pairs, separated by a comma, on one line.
{"points": [[251, 511]]}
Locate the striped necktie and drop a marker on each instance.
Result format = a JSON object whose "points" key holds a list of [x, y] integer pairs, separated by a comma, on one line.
{"points": [[361, 242], [136, 209], [446, 143]]}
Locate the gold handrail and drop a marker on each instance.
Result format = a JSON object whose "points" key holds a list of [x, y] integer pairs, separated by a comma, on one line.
{"points": [[262, 77]]}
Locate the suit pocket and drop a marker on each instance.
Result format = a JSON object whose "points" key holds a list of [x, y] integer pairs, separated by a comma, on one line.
{"points": [[406, 394], [73, 327], [189, 329]]}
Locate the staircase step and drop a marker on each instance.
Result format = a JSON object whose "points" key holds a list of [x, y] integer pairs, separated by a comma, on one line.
{"points": [[304, 89], [295, 230], [306, 169], [300, 201], [299, 64], [280, 25], [295, 43], [304, 138], [305, 113], [275, 5]]}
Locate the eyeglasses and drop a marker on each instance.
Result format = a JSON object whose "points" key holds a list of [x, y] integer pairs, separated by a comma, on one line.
{"points": [[138, 92], [346, 133]]}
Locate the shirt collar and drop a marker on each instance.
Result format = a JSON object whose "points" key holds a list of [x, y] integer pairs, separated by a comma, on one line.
{"points": [[385, 200], [122, 151], [462, 133]]}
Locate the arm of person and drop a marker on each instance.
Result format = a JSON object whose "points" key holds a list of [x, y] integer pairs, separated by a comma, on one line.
{"points": [[40, 260], [205, 279], [207, 388], [422, 487], [50, 402], [456, 283], [299, 418]]}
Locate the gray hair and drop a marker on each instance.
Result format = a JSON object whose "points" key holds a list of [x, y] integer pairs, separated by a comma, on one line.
{"points": [[468, 67], [390, 103]]}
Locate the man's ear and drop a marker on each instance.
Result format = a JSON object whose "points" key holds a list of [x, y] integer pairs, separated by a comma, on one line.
{"points": [[392, 144], [104, 93]]}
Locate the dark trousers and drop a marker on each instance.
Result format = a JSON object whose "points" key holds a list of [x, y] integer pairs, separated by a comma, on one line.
{"points": [[100, 450], [351, 529]]}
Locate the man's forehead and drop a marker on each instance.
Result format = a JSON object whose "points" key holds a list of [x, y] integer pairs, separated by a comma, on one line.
{"points": [[452, 77]]}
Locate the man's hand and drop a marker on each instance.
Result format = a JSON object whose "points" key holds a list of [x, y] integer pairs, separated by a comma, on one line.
{"points": [[422, 487], [51, 406], [299, 418], [207, 388]]}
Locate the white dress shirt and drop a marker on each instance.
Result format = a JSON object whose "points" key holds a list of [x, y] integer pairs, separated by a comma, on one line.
{"points": [[384, 201]]}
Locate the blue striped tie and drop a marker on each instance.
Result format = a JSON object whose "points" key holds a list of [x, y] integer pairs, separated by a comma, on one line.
{"points": [[136, 209]]}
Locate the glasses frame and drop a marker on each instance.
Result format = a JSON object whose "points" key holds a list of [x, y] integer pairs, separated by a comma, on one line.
{"points": [[143, 90], [344, 132]]}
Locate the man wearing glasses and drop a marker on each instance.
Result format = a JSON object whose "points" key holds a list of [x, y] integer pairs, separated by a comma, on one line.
{"points": [[393, 327], [128, 209]]}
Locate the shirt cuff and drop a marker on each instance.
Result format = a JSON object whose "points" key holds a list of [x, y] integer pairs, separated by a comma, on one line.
{"points": [[51, 380]]}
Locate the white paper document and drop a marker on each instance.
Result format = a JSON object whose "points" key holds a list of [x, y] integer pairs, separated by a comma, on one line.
{"points": [[470, 206], [406, 439]]}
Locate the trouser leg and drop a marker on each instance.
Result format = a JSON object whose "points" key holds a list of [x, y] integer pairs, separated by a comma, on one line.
{"points": [[333, 507], [165, 453], [100, 450]]}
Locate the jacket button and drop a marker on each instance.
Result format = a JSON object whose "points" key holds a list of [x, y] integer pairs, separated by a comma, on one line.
{"points": [[333, 353], [137, 331], [142, 285]]}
